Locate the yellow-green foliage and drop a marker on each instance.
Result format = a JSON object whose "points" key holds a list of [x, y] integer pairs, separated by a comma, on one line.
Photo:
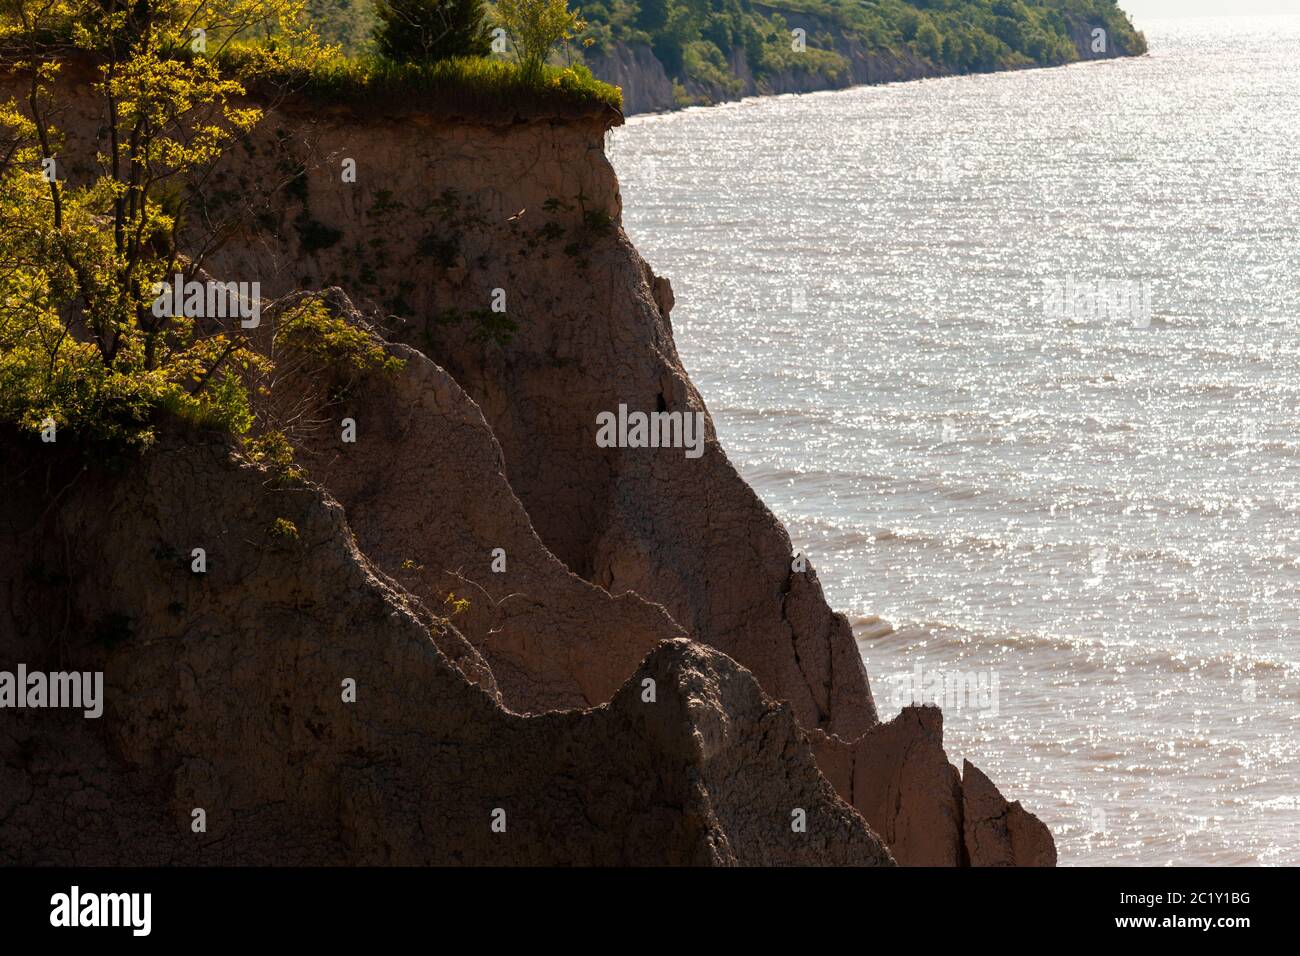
{"points": [[71, 345], [80, 263], [273, 451], [284, 529], [312, 331], [535, 27]]}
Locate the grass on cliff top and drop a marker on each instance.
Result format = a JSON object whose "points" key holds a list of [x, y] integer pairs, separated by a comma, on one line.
{"points": [[466, 87]]}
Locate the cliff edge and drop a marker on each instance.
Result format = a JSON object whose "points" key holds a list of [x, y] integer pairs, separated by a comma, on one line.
{"points": [[560, 650]]}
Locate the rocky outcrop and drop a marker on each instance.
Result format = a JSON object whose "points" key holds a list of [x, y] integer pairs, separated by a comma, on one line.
{"points": [[422, 480], [998, 833], [899, 778]]}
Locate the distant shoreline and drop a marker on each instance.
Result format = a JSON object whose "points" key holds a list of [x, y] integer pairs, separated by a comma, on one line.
{"points": [[648, 88]]}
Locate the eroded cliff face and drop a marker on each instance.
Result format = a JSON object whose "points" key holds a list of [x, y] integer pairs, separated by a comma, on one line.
{"points": [[447, 220], [491, 260], [638, 73], [426, 495], [223, 694]]}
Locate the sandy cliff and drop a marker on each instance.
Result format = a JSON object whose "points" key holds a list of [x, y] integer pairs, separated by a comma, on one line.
{"points": [[620, 565]]}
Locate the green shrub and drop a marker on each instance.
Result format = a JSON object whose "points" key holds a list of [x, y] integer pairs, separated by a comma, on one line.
{"points": [[283, 529], [426, 31], [535, 27]]}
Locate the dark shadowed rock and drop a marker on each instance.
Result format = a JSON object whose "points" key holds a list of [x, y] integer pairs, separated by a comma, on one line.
{"points": [[223, 693], [898, 777]]}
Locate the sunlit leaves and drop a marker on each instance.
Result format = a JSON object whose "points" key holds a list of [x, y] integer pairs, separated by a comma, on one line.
{"points": [[535, 26], [79, 260]]}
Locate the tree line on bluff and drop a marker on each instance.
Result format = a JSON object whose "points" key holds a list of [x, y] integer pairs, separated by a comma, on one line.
{"points": [[701, 39]]}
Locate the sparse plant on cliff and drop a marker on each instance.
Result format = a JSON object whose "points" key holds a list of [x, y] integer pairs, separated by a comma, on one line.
{"points": [[316, 354], [315, 335], [283, 529], [87, 240], [535, 27], [427, 31]]}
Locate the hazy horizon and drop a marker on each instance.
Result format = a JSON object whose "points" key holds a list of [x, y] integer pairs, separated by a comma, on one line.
{"points": [[1206, 8]]}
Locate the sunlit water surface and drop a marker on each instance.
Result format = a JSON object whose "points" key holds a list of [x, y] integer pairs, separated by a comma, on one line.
{"points": [[1103, 514]]}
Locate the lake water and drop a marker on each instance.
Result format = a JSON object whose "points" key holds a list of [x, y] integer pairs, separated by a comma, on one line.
{"points": [[1015, 358]]}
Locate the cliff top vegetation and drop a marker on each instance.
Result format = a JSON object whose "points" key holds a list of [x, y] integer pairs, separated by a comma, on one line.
{"points": [[469, 87], [286, 52]]}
